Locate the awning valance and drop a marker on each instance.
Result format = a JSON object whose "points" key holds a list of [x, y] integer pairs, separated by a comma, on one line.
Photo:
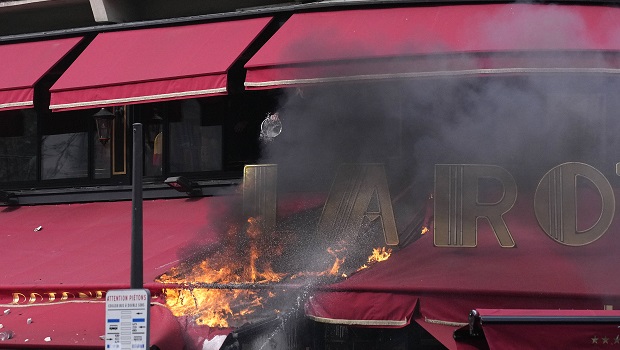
{"points": [[23, 65], [387, 310], [154, 64], [382, 43]]}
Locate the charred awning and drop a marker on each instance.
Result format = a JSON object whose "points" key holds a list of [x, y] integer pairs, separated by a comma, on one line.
{"points": [[544, 329], [435, 41], [154, 64], [61, 260], [24, 64]]}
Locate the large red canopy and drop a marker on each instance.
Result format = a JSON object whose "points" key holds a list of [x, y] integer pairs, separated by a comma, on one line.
{"points": [[155, 64], [24, 64], [444, 284], [59, 261], [422, 41]]}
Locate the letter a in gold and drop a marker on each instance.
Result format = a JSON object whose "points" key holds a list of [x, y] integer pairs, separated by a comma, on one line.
{"points": [[359, 191]]}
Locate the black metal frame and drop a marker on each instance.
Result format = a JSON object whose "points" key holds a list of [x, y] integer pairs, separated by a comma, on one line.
{"points": [[475, 328]]}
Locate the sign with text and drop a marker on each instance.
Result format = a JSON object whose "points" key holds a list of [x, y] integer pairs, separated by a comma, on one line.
{"points": [[127, 319]]}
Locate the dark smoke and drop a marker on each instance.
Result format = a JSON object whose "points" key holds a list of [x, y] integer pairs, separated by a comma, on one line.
{"points": [[525, 122]]}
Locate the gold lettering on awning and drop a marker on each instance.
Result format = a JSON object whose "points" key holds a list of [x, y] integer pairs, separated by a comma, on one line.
{"points": [[359, 191], [458, 204], [260, 193], [19, 298], [51, 297], [555, 203], [34, 299]]}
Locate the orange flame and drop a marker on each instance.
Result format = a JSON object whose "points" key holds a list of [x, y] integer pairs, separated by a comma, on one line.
{"points": [[333, 271], [221, 307], [215, 307], [378, 255], [424, 230]]}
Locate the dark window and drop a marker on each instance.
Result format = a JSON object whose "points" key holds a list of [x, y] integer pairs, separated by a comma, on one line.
{"points": [[64, 146], [70, 147], [18, 145], [196, 139], [152, 118], [182, 136], [54, 146], [64, 156], [213, 136]]}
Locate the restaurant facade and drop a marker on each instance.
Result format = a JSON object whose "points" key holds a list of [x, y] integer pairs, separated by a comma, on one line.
{"points": [[325, 175]]}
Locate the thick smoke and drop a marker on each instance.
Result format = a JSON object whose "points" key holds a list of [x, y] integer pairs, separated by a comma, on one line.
{"points": [[526, 122]]}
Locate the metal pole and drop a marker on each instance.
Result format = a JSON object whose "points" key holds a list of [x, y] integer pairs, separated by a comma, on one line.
{"points": [[136, 219]]}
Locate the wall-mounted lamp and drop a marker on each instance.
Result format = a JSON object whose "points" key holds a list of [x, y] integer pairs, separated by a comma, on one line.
{"points": [[183, 184], [104, 119], [8, 198]]}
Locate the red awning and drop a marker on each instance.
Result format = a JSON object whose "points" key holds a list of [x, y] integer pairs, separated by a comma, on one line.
{"points": [[24, 64], [370, 44], [60, 260], [541, 329], [78, 325], [388, 310], [154, 64], [438, 286]]}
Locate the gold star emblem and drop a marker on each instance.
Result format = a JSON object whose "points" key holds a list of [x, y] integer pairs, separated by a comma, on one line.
{"points": [[594, 340], [605, 340], [617, 339]]}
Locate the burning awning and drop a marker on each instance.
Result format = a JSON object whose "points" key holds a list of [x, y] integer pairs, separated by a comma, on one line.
{"points": [[409, 42], [438, 286], [23, 65], [60, 261], [529, 329], [154, 64]]}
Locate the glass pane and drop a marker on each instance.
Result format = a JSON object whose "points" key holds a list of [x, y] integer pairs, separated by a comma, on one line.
{"points": [[194, 147], [64, 156], [18, 145]]}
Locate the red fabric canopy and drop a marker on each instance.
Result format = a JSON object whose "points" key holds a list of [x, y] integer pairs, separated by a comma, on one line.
{"points": [[531, 329], [447, 283], [434, 41], [78, 325], [88, 245], [386, 310], [154, 64], [24, 64], [60, 260]]}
